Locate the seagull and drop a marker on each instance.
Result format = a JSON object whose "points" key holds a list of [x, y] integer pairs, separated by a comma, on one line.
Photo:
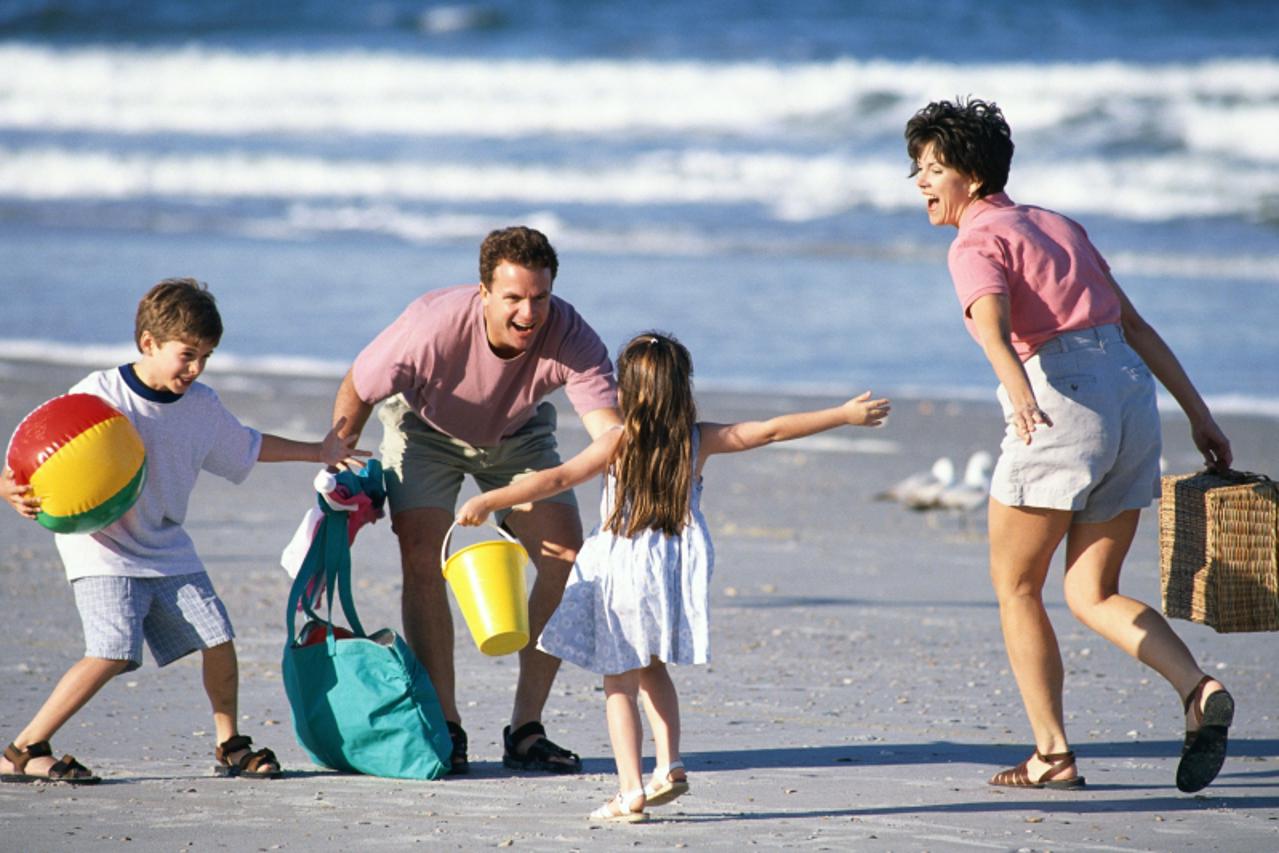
{"points": [[924, 485], [971, 492]]}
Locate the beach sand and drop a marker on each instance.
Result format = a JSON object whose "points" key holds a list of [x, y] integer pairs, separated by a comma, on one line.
{"points": [[859, 694]]}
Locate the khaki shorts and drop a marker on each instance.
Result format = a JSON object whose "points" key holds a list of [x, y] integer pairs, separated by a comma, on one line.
{"points": [[425, 468], [1101, 455]]}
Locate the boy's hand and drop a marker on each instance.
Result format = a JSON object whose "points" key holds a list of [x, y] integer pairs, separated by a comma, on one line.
{"points": [[337, 450], [863, 411], [473, 513], [21, 498]]}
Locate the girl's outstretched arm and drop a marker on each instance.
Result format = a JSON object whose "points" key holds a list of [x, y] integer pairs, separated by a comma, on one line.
{"points": [[589, 463], [733, 438]]}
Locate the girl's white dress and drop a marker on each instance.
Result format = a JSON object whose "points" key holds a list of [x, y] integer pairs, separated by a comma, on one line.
{"points": [[629, 600]]}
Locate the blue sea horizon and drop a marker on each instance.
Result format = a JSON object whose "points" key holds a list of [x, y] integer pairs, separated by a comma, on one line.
{"points": [[737, 179]]}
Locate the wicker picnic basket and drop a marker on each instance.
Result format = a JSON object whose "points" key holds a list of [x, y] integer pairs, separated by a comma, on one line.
{"points": [[1219, 550]]}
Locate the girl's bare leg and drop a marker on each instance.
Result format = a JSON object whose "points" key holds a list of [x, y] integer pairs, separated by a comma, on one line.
{"points": [[625, 731], [661, 702]]}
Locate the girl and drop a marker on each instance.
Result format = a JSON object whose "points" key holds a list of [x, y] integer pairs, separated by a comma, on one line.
{"points": [[638, 596]]}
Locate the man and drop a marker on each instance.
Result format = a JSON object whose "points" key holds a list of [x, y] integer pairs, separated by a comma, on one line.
{"points": [[464, 372]]}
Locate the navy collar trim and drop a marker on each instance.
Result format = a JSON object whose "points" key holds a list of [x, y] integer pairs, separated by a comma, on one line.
{"points": [[137, 386]]}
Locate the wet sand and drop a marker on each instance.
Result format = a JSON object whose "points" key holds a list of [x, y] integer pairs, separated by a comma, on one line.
{"points": [[859, 694]]}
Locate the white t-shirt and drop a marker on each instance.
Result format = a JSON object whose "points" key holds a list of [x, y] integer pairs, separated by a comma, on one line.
{"points": [[183, 434]]}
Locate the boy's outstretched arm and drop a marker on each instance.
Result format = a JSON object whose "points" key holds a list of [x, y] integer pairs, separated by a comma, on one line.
{"points": [[747, 435], [542, 484], [335, 449], [21, 498]]}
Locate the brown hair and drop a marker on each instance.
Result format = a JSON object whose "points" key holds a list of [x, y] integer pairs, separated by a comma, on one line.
{"points": [[653, 463], [178, 309], [519, 245], [970, 136]]}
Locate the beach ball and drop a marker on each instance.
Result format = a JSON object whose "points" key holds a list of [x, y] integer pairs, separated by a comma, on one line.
{"points": [[83, 458]]}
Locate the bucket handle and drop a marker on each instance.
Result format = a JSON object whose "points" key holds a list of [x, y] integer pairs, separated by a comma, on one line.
{"points": [[444, 546]]}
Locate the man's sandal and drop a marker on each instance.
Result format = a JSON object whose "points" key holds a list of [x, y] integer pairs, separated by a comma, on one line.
{"points": [[1204, 750], [622, 808], [250, 765], [664, 787], [66, 770], [542, 755], [1019, 776], [459, 764]]}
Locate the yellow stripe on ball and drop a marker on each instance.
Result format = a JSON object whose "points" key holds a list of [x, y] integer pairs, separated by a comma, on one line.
{"points": [[89, 469]]}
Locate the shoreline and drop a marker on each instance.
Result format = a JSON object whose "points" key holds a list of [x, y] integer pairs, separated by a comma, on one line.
{"points": [[858, 695], [37, 355]]}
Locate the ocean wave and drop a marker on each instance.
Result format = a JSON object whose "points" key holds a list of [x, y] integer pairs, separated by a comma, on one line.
{"points": [[1227, 106], [97, 356], [791, 187]]}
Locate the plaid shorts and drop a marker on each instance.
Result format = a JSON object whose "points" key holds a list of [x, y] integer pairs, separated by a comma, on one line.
{"points": [[175, 615]]}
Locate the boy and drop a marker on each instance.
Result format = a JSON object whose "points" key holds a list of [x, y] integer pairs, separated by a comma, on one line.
{"points": [[139, 577]]}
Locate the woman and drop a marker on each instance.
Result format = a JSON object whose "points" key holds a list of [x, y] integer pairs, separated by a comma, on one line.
{"points": [[1080, 457]]}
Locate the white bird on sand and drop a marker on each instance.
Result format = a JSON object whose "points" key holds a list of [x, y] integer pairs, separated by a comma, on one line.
{"points": [[972, 491], [923, 486]]}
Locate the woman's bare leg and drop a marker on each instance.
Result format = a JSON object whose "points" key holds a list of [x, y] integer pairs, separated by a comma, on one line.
{"points": [[1022, 543]]}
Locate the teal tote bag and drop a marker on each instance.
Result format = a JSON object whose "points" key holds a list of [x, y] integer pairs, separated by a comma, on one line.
{"points": [[361, 703]]}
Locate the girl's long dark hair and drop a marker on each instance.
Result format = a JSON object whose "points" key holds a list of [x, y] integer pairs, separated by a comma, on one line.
{"points": [[653, 463]]}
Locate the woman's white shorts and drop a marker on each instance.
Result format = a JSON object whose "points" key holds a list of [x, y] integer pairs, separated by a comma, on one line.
{"points": [[1101, 455]]}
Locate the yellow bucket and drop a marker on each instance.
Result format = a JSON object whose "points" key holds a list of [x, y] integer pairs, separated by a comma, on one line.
{"points": [[487, 580]]}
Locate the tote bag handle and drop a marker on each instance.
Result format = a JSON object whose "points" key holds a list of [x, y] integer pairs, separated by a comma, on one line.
{"points": [[444, 546], [330, 557]]}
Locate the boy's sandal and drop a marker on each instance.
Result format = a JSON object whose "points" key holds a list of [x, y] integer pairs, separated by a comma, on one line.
{"points": [[1204, 750], [261, 764], [664, 787], [66, 770], [542, 755], [622, 808], [1019, 776], [459, 764]]}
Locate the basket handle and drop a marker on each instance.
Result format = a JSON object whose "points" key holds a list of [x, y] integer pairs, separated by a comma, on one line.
{"points": [[1238, 476], [444, 546]]}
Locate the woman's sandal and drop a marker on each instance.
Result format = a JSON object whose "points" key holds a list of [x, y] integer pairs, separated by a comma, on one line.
{"points": [[542, 755], [1204, 751], [250, 765], [621, 809], [664, 787], [66, 770], [1019, 776]]}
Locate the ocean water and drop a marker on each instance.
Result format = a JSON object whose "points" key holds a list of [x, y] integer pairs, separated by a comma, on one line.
{"points": [[732, 172]]}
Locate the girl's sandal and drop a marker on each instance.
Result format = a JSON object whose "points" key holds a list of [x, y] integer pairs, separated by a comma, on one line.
{"points": [[261, 764], [621, 809], [1019, 776], [66, 770], [1205, 748], [664, 787]]}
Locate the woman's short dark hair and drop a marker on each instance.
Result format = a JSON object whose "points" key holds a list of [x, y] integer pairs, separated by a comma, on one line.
{"points": [[522, 246], [969, 136]]}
